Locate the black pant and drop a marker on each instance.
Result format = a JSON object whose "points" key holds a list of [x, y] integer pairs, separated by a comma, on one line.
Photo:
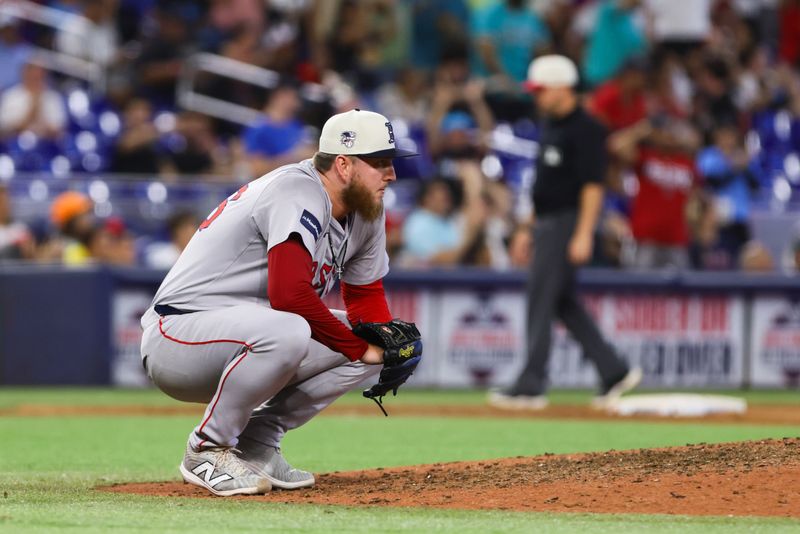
{"points": [[551, 294]]}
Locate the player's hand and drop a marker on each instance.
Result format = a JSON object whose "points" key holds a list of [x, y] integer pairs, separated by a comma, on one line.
{"points": [[580, 249], [373, 355]]}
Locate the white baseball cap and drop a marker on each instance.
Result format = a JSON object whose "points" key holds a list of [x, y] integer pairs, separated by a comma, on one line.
{"points": [[360, 133], [551, 71]]}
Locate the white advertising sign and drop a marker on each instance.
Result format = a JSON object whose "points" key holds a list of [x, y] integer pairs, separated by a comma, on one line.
{"points": [[127, 308], [679, 341], [775, 360], [480, 338]]}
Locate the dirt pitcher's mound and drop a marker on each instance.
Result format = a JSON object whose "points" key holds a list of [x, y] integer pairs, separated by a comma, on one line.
{"points": [[750, 478]]}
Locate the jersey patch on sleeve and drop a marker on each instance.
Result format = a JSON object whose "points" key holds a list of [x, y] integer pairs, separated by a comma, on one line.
{"points": [[311, 223]]}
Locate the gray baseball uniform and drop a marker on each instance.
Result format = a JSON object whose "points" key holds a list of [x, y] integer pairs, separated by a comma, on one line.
{"points": [[223, 344]]}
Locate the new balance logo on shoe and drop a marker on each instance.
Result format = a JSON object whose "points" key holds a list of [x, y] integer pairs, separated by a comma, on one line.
{"points": [[218, 470], [208, 469]]}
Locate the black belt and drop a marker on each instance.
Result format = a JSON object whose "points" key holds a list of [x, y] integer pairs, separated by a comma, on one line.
{"points": [[166, 309]]}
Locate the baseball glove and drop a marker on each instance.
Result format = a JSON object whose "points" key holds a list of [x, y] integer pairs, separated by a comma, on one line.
{"points": [[402, 350]]}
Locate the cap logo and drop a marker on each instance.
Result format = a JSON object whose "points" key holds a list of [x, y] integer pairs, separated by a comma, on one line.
{"points": [[391, 133], [348, 139]]}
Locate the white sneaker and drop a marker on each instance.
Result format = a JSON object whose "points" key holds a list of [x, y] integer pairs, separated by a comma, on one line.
{"points": [[509, 401], [269, 463], [219, 471], [615, 390]]}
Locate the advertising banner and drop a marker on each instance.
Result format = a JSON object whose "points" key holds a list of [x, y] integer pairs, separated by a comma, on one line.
{"points": [[477, 339], [775, 360], [127, 307], [679, 341], [480, 338]]}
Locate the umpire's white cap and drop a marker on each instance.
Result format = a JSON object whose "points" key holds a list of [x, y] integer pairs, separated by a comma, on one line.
{"points": [[360, 133], [551, 71]]}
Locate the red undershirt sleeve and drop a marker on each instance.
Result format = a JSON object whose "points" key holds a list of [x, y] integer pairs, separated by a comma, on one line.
{"points": [[289, 289], [366, 304]]}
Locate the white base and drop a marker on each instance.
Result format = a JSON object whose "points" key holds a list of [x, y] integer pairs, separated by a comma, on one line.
{"points": [[677, 405]]}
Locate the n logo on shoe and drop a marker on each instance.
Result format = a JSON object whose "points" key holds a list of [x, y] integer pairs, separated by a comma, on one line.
{"points": [[208, 469]]}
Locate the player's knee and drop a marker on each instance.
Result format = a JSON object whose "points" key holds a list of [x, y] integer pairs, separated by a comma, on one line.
{"points": [[295, 346], [294, 336]]}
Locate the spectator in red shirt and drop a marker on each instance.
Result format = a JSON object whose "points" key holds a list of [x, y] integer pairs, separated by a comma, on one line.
{"points": [[789, 41], [621, 101], [661, 152]]}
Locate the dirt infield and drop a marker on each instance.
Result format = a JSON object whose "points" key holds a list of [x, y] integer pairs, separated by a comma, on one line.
{"points": [[757, 415], [739, 479]]}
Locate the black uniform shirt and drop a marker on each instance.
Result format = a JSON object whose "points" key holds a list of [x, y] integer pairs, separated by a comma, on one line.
{"points": [[572, 152]]}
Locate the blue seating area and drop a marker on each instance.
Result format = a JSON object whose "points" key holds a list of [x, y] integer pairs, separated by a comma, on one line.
{"points": [[37, 170], [86, 146], [94, 126], [778, 138]]}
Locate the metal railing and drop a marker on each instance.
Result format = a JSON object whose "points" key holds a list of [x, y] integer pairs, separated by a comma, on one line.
{"points": [[60, 21], [189, 98]]}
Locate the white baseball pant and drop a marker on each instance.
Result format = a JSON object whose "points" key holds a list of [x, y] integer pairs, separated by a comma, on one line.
{"points": [[257, 368]]}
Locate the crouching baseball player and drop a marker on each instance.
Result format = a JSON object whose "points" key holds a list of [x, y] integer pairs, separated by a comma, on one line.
{"points": [[238, 322]]}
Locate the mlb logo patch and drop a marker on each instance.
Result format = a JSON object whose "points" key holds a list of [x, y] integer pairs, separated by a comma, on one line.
{"points": [[348, 139]]}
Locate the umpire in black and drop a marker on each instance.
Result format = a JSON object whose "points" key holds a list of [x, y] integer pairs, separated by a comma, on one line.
{"points": [[567, 198]]}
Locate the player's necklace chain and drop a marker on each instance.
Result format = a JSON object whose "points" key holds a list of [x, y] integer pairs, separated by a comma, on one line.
{"points": [[338, 266]]}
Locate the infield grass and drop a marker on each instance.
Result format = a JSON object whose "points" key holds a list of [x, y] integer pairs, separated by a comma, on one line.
{"points": [[49, 465]]}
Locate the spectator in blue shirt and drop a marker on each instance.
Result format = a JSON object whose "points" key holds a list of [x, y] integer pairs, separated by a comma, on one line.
{"points": [[436, 26], [725, 168], [614, 39], [508, 35], [438, 233], [430, 229], [280, 137]]}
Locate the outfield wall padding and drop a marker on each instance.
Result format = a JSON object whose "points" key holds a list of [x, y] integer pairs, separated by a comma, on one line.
{"points": [[687, 329], [55, 326]]}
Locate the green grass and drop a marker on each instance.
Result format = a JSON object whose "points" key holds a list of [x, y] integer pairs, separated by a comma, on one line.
{"points": [[49, 465], [86, 511], [90, 512]]}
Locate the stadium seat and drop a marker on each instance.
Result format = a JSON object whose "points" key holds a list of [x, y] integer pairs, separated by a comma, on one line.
{"points": [[31, 153]]}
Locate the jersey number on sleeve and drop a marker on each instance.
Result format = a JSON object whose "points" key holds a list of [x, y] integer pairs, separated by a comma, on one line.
{"points": [[217, 212]]}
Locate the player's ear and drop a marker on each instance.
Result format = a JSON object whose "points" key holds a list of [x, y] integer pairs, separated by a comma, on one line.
{"points": [[343, 165]]}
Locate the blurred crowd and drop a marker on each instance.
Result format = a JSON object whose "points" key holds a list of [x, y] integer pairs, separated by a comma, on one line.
{"points": [[701, 99]]}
